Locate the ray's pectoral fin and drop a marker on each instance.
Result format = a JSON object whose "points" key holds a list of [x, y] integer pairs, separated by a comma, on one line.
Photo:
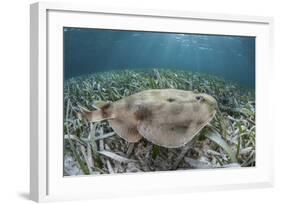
{"points": [[167, 135], [128, 133]]}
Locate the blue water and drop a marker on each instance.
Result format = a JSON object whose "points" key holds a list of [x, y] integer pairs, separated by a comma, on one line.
{"points": [[87, 51]]}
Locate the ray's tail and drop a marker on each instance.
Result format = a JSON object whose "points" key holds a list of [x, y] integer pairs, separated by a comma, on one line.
{"points": [[95, 116]]}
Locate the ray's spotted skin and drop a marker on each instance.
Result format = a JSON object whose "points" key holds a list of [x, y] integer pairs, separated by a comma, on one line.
{"points": [[165, 117]]}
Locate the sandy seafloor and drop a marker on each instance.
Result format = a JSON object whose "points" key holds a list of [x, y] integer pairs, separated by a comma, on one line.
{"points": [[94, 148]]}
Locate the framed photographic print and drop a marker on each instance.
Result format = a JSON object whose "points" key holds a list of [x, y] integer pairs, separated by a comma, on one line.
{"points": [[123, 97]]}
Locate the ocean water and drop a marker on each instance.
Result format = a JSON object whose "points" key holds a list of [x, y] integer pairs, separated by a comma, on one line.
{"points": [[88, 51]]}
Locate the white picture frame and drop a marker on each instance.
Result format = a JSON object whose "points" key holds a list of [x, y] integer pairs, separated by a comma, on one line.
{"points": [[46, 178]]}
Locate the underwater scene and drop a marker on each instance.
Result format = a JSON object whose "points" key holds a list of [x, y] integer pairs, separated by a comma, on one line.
{"points": [[142, 101]]}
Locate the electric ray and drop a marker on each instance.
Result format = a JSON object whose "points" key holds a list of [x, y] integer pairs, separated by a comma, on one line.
{"points": [[165, 117]]}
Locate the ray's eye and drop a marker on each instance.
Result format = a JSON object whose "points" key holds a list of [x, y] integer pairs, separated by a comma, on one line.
{"points": [[170, 99], [200, 98]]}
